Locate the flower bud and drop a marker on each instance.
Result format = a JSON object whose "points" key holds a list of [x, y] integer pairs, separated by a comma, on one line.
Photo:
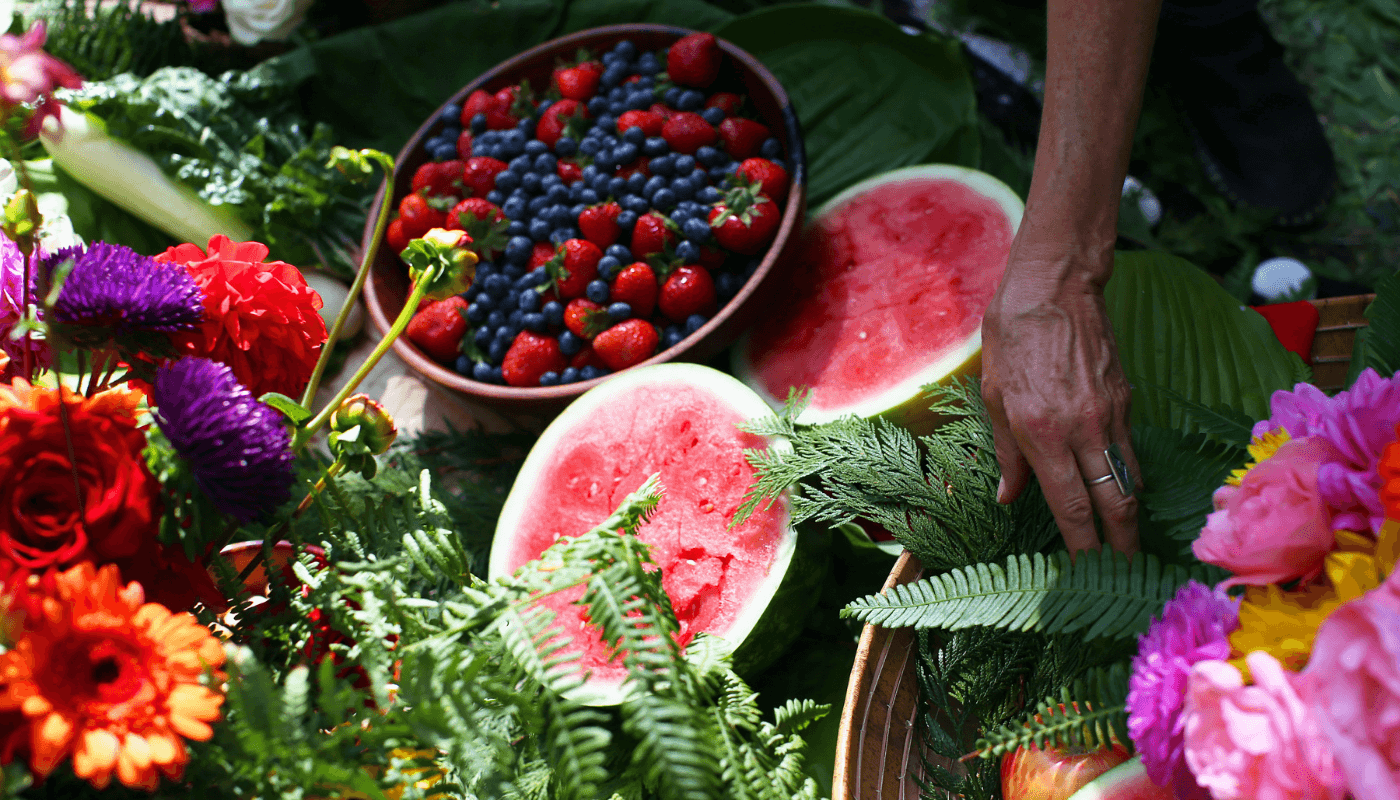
{"points": [[377, 429], [441, 260]]}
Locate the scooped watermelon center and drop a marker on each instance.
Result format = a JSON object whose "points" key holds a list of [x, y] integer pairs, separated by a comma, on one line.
{"points": [[689, 436], [886, 284]]}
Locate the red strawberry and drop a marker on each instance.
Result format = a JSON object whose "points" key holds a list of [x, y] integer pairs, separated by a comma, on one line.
{"points": [[479, 178], [479, 208], [437, 328], [689, 290], [626, 343], [439, 178], [464, 145], [636, 286], [483, 222], [587, 357], [662, 109], [478, 102], [744, 221], [599, 224], [552, 121], [687, 132], [649, 121], [772, 179], [395, 237], [585, 318], [574, 266], [540, 255], [711, 258], [418, 216], [580, 82], [569, 172], [505, 115], [650, 235], [728, 102], [741, 137], [694, 60], [640, 165], [530, 356]]}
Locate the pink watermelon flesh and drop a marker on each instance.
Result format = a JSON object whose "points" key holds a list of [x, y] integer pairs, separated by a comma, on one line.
{"points": [[1127, 781], [687, 435], [888, 282]]}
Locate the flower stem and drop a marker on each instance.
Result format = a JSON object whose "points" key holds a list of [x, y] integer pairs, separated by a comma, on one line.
{"points": [[331, 471], [400, 323]]}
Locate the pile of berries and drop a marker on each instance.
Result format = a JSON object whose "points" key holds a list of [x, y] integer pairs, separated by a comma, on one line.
{"points": [[612, 218]]}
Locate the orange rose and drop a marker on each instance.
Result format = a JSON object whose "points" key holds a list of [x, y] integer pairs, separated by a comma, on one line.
{"points": [[56, 509]]}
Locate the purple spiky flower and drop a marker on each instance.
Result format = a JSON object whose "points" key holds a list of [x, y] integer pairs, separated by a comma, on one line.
{"points": [[117, 289], [237, 447]]}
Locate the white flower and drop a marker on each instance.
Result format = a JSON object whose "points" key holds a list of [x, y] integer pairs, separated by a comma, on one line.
{"points": [[251, 21]]}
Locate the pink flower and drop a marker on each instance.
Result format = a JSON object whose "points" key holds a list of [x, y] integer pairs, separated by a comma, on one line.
{"points": [[1274, 526], [203, 6], [13, 300], [1352, 686], [1256, 742], [29, 75]]}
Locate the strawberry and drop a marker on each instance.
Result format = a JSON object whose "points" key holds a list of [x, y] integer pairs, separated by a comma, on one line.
{"points": [[771, 179], [556, 117], [569, 171], [587, 357], [636, 286], [418, 216], [580, 82], [694, 60], [728, 102], [651, 235], [530, 356], [479, 177], [662, 109], [599, 224], [649, 121], [506, 112], [585, 318], [687, 132], [478, 102], [626, 343], [575, 264], [395, 237], [744, 221], [484, 223], [437, 328], [439, 178], [464, 145], [689, 290], [711, 258], [741, 137], [640, 165], [540, 255]]}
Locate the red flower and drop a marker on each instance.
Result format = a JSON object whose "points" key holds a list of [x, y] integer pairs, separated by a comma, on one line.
{"points": [[98, 503], [261, 318]]}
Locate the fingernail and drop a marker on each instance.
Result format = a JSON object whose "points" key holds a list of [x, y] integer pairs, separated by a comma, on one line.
{"points": [[1001, 490]]}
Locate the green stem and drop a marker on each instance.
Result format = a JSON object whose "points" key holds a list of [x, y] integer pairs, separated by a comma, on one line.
{"points": [[400, 323], [380, 224]]}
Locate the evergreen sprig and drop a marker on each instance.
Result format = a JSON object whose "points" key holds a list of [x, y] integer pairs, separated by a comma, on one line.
{"points": [[1089, 713]]}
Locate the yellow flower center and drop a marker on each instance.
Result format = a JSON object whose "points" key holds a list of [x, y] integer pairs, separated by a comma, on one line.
{"points": [[1261, 449]]}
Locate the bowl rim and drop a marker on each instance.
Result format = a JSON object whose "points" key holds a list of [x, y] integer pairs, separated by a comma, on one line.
{"points": [[791, 222]]}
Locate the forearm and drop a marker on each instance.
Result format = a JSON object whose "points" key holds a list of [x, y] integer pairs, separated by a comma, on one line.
{"points": [[1098, 52]]}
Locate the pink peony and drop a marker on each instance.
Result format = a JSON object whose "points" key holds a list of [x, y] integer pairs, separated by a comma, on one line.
{"points": [[1256, 742], [1274, 526], [1352, 686]]}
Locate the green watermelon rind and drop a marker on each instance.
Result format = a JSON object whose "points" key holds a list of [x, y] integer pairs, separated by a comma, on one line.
{"points": [[1127, 781], [761, 605], [902, 403]]}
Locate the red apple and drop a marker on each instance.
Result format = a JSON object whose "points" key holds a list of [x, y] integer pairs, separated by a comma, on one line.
{"points": [[1035, 773]]}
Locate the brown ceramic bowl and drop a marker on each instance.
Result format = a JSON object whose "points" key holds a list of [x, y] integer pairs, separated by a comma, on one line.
{"points": [[387, 287]]}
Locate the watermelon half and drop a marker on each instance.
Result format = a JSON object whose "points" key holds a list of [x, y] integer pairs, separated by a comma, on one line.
{"points": [[886, 296], [748, 586]]}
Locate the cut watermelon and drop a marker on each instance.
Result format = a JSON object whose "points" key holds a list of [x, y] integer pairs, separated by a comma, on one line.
{"points": [[1127, 781], [887, 295], [742, 585]]}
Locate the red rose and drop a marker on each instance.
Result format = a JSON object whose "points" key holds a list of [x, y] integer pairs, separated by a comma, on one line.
{"points": [[261, 318], [98, 504]]}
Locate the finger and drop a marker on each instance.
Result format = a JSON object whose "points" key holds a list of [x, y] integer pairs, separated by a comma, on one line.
{"points": [[1015, 472], [1118, 511], [1063, 486]]}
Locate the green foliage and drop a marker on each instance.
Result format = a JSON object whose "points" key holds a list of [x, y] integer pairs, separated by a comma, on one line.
{"points": [[105, 40], [1091, 713], [1180, 473], [1100, 592], [1378, 344]]}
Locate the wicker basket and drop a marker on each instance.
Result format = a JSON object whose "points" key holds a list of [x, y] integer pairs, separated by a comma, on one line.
{"points": [[878, 747]]}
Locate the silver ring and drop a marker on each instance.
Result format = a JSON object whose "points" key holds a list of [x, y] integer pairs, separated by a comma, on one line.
{"points": [[1118, 470], [1097, 481]]}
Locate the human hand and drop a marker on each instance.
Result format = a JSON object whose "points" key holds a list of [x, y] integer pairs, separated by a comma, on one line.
{"points": [[1057, 396]]}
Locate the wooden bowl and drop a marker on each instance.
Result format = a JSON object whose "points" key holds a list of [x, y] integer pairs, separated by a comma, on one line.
{"points": [[387, 287]]}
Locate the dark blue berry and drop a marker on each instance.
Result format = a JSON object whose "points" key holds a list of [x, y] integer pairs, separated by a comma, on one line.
{"points": [[462, 366], [450, 134], [671, 96], [684, 188], [517, 227], [496, 285], [625, 49], [518, 249], [597, 104], [655, 146], [719, 173], [533, 321], [514, 271], [484, 334], [687, 251], [607, 122], [692, 208], [635, 203], [497, 350], [590, 372], [565, 146], [664, 199], [627, 219], [569, 375], [490, 151], [481, 371], [561, 235], [597, 291], [641, 99], [529, 301], [779, 163], [476, 313], [613, 75], [550, 378], [507, 181], [662, 165], [708, 195], [563, 216], [553, 312], [513, 142], [694, 322], [727, 284], [625, 153], [514, 319], [543, 107], [576, 209], [526, 126], [539, 229], [771, 148], [530, 182], [635, 135], [546, 164], [620, 252], [528, 280], [599, 184], [709, 156], [535, 147], [685, 164], [617, 186], [589, 147], [495, 196], [649, 64], [652, 184], [714, 116], [518, 166], [671, 337], [550, 179], [681, 214], [696, 229], [537, 204], [445, 152], [608, 267], [569, 344], [690, 100], [587, 196], [636, 182], [478, 123], [604, 159], [558, 193], [617, 106], [619, 311]]}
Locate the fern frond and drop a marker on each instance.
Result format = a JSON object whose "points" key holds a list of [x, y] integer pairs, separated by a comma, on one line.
{"points": [[1101, 593], [1092, 713], [795, 715]]}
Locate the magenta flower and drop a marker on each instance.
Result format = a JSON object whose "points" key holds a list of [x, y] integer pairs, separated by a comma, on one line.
{"points": [[1194, 626], [13, 299], [29, 75], [203, 6]]}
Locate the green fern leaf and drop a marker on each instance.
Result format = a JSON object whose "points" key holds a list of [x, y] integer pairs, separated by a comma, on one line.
{"points": [[1091, 713], [1377, 345], [795, 715]]}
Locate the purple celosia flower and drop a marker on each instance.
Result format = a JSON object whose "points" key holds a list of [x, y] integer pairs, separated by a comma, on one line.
{"points": [[12, 304], [1359, 422], [238, 448], [116, 288], [1194, 626]]}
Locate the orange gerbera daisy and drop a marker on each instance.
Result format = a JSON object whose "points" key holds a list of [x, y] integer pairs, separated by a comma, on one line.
{"points": [[113, 681]]}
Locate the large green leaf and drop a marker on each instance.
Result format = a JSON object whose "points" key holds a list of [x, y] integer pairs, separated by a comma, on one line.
{"points": [[869, 96], [1378, 344], [1177, 329]]}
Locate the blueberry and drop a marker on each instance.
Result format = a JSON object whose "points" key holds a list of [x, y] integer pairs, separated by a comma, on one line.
{"points": [[539, 230], [554, 312], [495, 319], [481, 371], [488, 137], [655, 146], [588, 147], [497, 350], [526, 281], [562, 216], [432, 144], [635, 136], [709, 156], [476, 313], [617, 107], [604, 159], [714, 116], [609, 58], [517, 227], [569, 344], [590, 372], [692, 208], [450, 134], [495, 197], [445, 152], [617, 312], [683, 188], [507, 181], [478, 123], [599, 184], [649, 64], [771, 148], [587, 197], [654, 184], [719, 173], [685, 164], [695, 322], [607, 122], [690, 100], [636, 182], [530, 182], [546, 164], [613, 75], [708, 195], [514, 272], [727, 285], [518, 166], [627, 219], [635, 203], [526, 126], [488, 151], [589, 173], [462, 366], [779, 163], [529, 301], [625, 153], [514, 320], [550, 378], [664, 199], [537, 204], [671, 96], [533, 321], [557, 193], [513, 142], [687, 251], [608, 267], [696, 229], [597, 104], [496, 285], [569, 375], [518, 249], [550, 179], [543, 107], [450, 113], [681, 214], [597, 291], [671, 337], [620, 252], [662, 165], [617, 186], [625, 49], [561, 235], [576, 210], [535, 147], [565, 146]]}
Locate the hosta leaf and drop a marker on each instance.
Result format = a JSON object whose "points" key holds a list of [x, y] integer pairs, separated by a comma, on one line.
{"points": [[1378, 344]]}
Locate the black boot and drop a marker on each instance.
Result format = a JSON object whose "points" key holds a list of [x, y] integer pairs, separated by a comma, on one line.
{"points": [[1256, 132]]}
